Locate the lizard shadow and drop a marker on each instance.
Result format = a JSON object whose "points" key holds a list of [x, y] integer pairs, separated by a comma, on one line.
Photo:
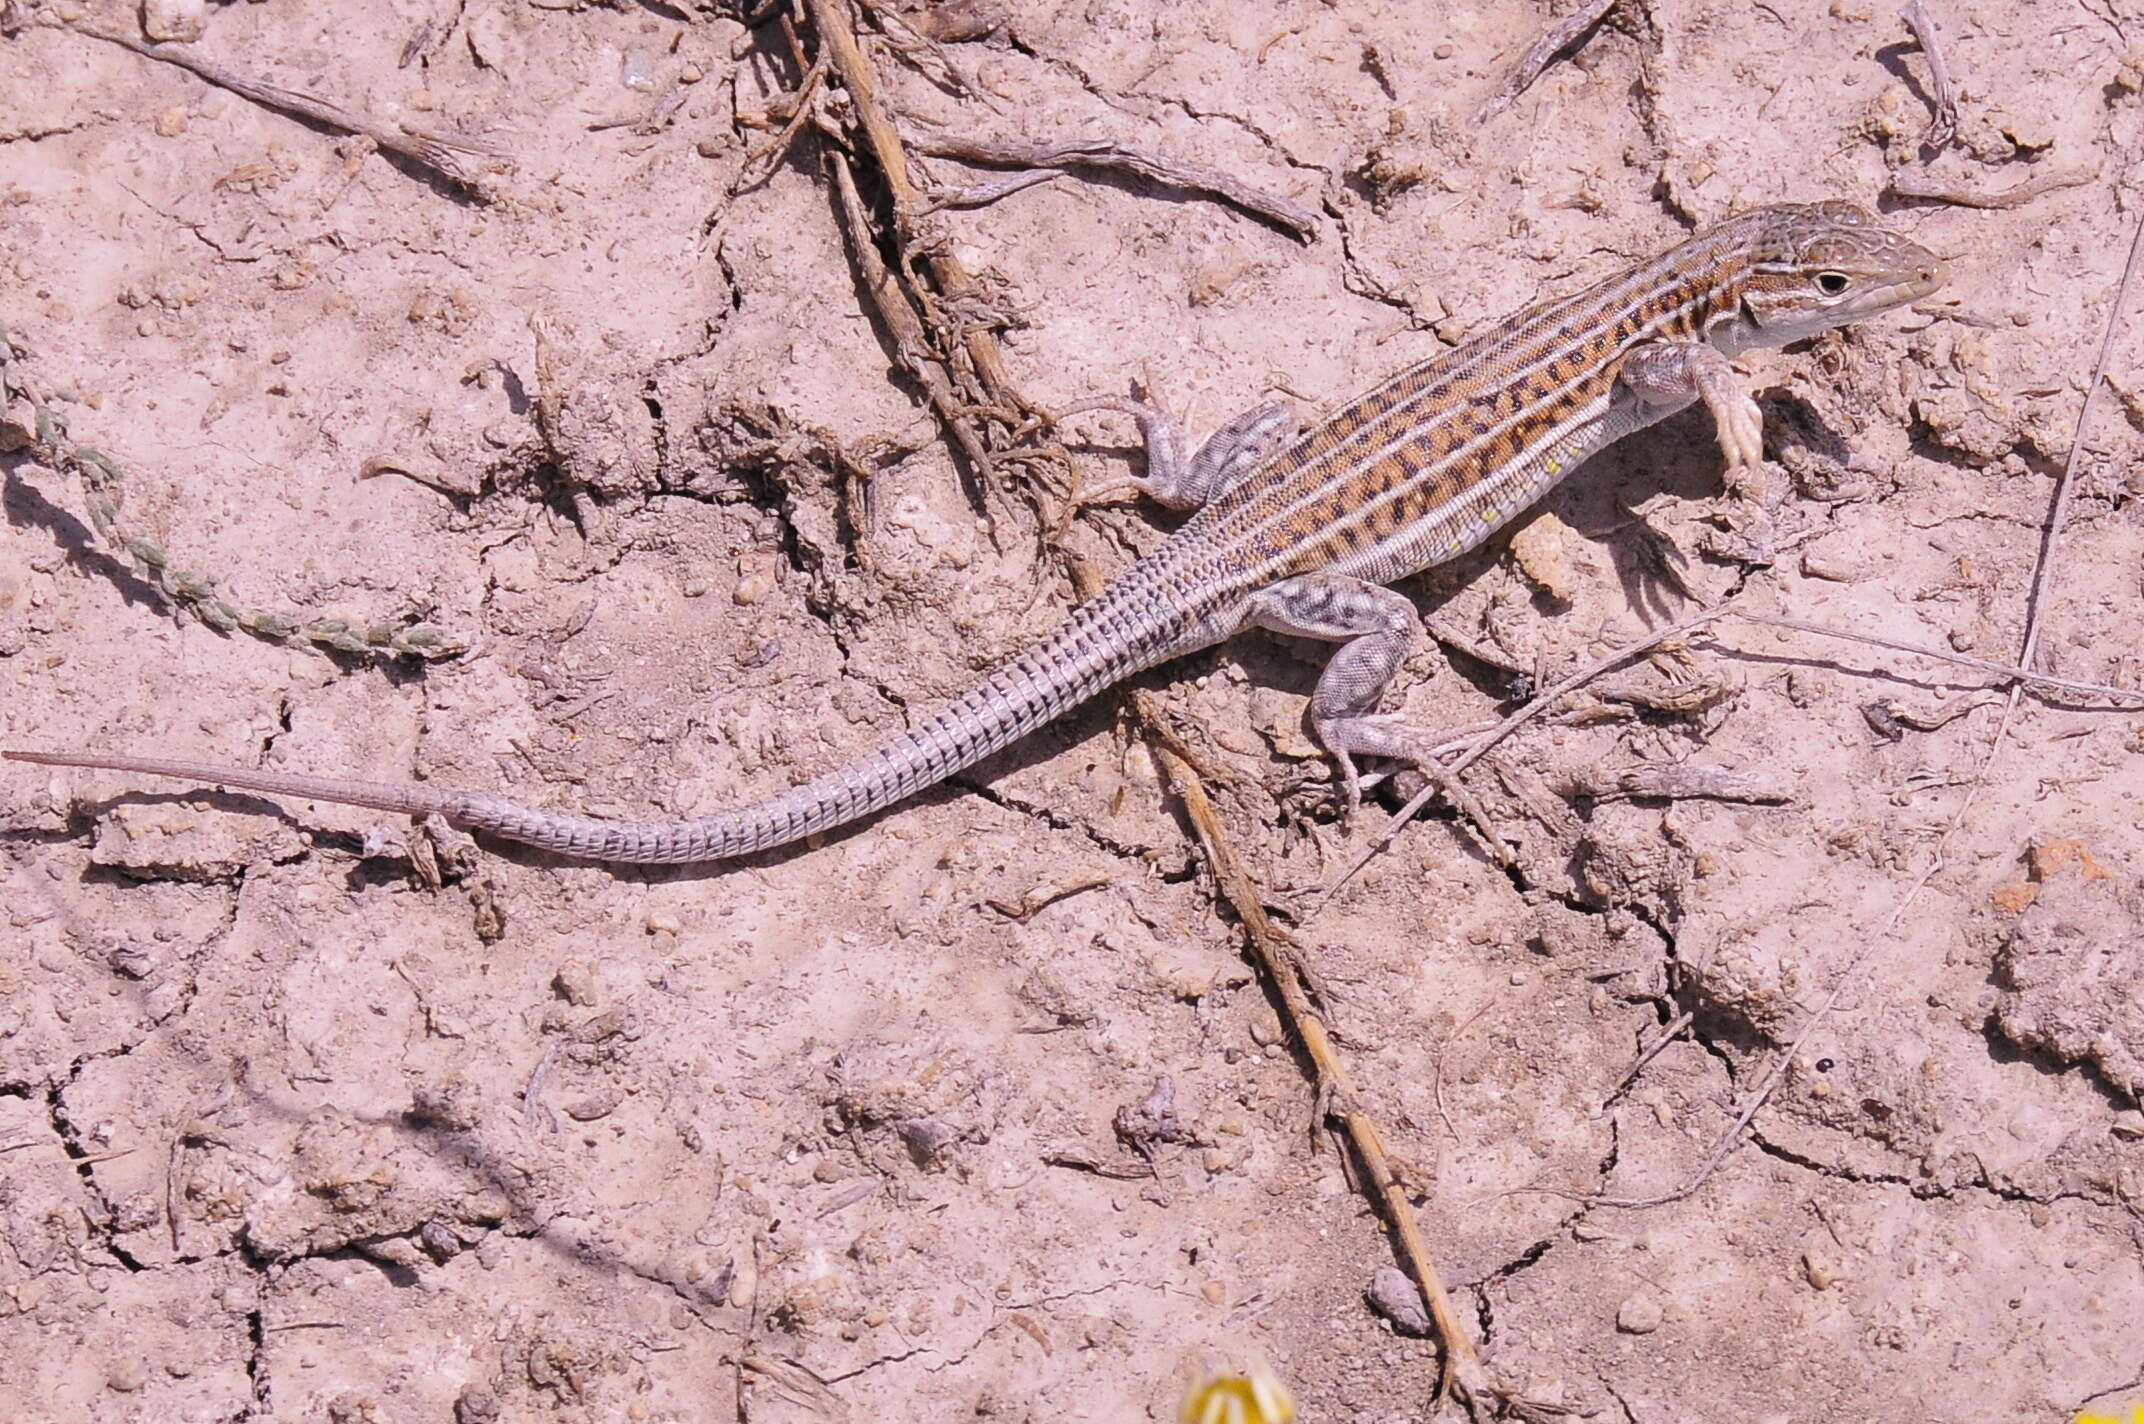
{"points": [[27, 508], [1598, 502], [1678, 458]]}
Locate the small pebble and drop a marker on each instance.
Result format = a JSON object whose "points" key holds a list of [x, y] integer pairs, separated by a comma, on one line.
{"points": [[1395, 1297], [1639, 1315], [1821, 1273], [575, 982], [174, 21], [476, 1406], [599, 1104]]}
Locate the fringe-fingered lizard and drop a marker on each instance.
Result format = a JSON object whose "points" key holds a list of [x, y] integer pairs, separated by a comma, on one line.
{"points": [[1299, 532]]}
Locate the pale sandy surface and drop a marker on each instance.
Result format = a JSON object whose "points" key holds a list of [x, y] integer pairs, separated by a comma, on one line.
{"points": [[281, 1136]]}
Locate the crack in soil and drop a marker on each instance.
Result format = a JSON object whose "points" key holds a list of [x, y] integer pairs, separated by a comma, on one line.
{"points": [[1924, 1189], [103, 1222], [1058, 821], [948, 1362]]}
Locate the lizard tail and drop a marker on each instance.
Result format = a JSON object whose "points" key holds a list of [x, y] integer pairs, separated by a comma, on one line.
{"points": [[1104, 642]]}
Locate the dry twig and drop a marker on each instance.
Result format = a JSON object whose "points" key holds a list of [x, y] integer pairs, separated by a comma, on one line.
{"points": [[46, 437], [831, 20], [1891, 721], [1943, 125], [911, 340], [1107, 154], [2009, 671], [973, 393], [1539, 55], [1672, 783], [1474, 746], [2065, 486], [982, 195], [1478, 747], [1923, 185], [1669, 1032], [442, 153], [801, 102], [1464, 1374]]}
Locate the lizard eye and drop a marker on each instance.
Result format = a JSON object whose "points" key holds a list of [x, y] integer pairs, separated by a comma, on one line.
{"points": [[1833, 284]]}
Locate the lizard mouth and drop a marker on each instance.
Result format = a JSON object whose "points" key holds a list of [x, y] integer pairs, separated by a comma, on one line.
{"points": [[1925, 282]]}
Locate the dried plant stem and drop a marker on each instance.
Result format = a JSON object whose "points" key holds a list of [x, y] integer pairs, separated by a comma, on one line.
{"points": [[2009, 671], [1479, 746], [443, 154], [1542, 53], [1464, 1374], [197, 593], [1943, 124], [1910, 184], [1108, 154]]}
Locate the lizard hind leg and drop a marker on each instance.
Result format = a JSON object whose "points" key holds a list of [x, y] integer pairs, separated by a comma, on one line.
{"points": [[1184, 481], [1376, 629]]}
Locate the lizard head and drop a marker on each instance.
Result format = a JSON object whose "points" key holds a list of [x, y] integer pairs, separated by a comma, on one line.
{"points": [[1815, 266]]}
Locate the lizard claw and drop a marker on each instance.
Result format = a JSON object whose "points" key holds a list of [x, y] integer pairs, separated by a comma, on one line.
{"points": [[1384, 735], [1741, 427], [1348, 782]]}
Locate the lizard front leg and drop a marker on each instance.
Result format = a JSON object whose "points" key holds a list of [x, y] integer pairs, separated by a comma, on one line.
{"points": [[1675, 373], [1377, 629]]}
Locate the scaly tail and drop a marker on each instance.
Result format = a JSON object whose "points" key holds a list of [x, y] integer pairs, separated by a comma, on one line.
{"points": [[1120, 633]]}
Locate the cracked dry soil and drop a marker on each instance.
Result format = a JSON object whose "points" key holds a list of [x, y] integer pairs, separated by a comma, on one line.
{"points": [[285, 1134]]}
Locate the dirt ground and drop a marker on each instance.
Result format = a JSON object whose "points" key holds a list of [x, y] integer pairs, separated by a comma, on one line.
{"points": [[977, 1110]]}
